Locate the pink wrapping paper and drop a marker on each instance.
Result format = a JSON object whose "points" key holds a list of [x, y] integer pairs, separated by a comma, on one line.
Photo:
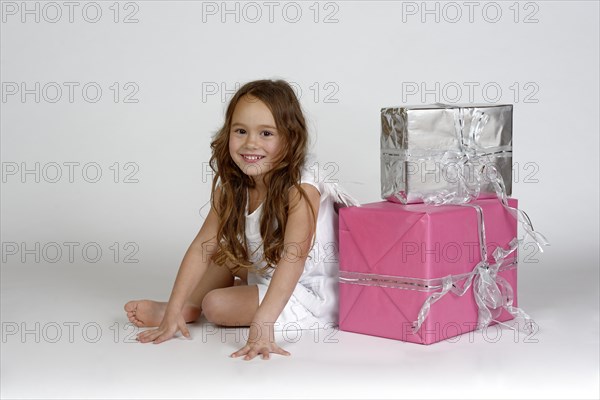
{"points": [[417, 241]]}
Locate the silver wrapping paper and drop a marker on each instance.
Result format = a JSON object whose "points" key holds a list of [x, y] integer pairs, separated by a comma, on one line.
{"points": [[423, 148]]}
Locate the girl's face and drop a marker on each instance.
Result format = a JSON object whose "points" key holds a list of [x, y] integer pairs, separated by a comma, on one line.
{"points": [[254, 142]]}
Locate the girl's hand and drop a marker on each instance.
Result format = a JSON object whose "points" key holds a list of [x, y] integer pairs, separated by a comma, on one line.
{"points": [[169, 326], [261, 340]]}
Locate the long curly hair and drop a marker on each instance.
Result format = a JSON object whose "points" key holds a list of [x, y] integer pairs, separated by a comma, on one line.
{"points": [[232, 248]]}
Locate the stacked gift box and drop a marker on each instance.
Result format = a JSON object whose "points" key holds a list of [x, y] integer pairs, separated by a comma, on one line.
{"points": [[438, 257]]}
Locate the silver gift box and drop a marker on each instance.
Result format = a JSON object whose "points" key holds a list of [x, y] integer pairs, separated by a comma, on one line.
{"points": [[426, 149]]}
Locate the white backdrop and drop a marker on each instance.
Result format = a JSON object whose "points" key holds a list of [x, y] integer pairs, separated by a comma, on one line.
{"points": [[108, 109]]}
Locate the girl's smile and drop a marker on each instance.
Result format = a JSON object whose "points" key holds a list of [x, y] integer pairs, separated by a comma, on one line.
{"points": [[250, 158]]}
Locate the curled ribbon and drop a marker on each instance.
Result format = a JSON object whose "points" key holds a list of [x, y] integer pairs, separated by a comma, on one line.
{"points": [[469, 154], [492, 293], [447, 285], [520, 215], [463, 160]]}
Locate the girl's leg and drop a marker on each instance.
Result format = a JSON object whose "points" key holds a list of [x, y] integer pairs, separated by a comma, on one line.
{"points": [[146, 313], [231, 306], [216, 277]]}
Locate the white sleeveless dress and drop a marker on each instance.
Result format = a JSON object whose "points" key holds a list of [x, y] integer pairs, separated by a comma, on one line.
{"points": [[314, 303]]}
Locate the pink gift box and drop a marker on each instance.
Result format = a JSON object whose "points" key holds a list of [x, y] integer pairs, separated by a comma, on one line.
{"points": [[404, 251]]}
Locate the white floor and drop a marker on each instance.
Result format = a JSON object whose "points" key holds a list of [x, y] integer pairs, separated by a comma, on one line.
{"points": [[81, 346]]}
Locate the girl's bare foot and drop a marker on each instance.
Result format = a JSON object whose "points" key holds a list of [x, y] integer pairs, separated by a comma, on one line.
{"points": [[145, 313]]}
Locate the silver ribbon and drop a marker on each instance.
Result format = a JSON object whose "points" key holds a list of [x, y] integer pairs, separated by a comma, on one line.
{"points": [[492, 293], [407, 283], [520, 215], [464, 159], [339, 195], [469, 154]]}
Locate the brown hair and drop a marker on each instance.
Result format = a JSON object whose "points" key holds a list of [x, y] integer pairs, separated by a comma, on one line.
{"points": [[232, 249]]}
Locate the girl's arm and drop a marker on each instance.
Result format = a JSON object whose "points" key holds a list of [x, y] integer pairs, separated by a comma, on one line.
{"points": [[194, 265], [299, 233], [196, 261]]}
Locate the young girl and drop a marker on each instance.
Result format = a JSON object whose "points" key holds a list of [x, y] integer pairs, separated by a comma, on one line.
{"points": [[272, 224]]}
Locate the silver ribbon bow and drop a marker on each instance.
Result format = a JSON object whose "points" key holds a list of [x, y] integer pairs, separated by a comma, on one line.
{"points": [[469, 154], [492, 292], [463, 160]]}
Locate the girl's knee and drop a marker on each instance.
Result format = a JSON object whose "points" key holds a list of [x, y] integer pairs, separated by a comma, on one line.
{"points": [[212, 306]]}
